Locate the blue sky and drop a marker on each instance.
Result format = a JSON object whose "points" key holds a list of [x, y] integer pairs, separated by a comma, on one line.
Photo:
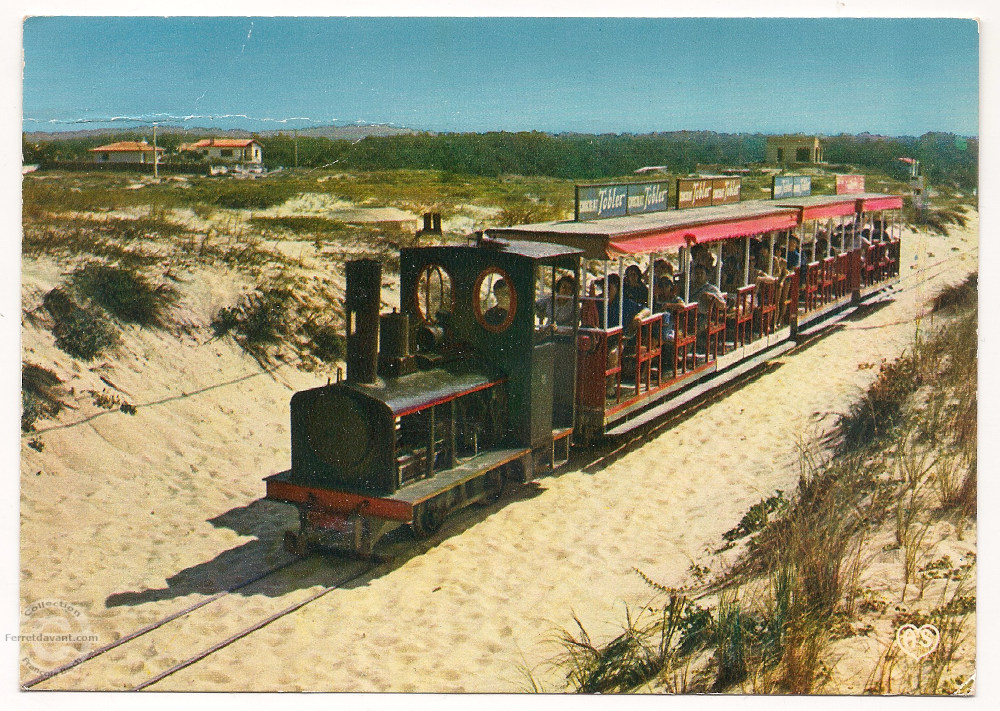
{"points": [[888, 76]]}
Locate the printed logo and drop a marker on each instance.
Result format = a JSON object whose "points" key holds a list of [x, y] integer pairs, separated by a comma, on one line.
{"points": [[53, 633], [918, 642]]}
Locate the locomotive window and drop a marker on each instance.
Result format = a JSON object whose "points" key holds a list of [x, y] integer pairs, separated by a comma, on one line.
{"points": [[495, 300], [433, 293]]}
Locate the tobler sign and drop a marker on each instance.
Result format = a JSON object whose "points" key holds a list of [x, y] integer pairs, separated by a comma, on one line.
{"points": [[786, 186], [594, 202], [847, 184], [701, 192]]}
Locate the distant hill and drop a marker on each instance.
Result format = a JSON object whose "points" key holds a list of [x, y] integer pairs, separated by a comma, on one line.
{"points": [[346, 132]]}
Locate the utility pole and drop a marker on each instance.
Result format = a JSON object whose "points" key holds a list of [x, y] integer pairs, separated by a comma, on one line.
{"points": [[295, 132], [156, 162]]}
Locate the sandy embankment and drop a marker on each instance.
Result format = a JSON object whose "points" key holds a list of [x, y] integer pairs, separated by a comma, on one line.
{"points": [[132, 518]]}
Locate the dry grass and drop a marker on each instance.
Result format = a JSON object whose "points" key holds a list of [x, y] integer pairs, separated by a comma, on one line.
{"points": [[40, 396], [905, 457]]}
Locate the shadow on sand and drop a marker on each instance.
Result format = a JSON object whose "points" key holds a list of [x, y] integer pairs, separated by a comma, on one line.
{"points": [[267, 521]]}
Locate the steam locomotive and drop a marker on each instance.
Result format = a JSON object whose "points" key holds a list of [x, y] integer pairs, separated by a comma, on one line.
{"points": [[486, 372]]}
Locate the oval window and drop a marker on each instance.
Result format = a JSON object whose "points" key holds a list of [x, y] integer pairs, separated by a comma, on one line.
{"points": [[495, 300], [433, 295]]}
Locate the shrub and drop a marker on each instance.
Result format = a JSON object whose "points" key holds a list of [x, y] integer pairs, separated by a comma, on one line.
{"points": [[964, 294], [325, 342], [250, 194], [83, 333], [124, 293], [257, 320], [38, 395]]}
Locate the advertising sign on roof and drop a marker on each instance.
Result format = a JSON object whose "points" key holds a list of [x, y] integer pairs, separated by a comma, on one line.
{"points": [[595, 202], [701, 192], [786, 186], [847, 184]]}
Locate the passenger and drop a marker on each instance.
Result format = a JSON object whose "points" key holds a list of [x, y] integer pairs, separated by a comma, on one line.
{"points": [[497, 314], [792, 256], [700, 254], [565, 290], [732, 277], [634, 288], [758, 263], [822, 251], [565, 293], [664, 298], [630, 309], [704, 292], [662, 269]]}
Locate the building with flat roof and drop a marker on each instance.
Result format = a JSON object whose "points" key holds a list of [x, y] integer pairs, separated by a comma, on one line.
{"points": [[793, 149]]}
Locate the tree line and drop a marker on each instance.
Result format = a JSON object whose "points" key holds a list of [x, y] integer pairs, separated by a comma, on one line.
{"points": [[944, 157]]}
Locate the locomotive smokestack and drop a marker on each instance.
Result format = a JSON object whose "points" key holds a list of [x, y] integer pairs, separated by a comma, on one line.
{"points": [[364, 294]]}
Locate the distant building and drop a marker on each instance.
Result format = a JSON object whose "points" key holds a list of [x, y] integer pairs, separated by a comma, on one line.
{"points": [[138, 152], [225, 151], [793, 149]]}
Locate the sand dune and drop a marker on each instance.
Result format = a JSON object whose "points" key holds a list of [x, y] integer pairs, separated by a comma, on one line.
{"points": [[133, 517]]}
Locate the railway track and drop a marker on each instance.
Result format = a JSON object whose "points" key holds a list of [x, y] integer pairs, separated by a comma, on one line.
{"points": [[94, 653], [247, 631], [129, 658]]}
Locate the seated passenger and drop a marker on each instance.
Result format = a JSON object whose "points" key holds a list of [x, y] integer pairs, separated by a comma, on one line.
{"points": [[704, 292], [634, 288], [700, 254], [664, 298], [565, 290], [792, 258], [662, 269], [496, 315], [629, 308], [822, 251], [732, 277], [565, 293]]}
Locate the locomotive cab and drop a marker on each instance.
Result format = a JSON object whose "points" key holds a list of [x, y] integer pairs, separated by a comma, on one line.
{"points": [[485, 396], [499, 299]]}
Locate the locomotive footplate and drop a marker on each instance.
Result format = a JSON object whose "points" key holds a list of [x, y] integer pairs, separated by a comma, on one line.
{"points": [[345, 521]]}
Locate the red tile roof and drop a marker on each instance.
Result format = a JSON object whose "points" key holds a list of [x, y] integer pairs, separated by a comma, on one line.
{"points": [[130, 146], [221, 143]]}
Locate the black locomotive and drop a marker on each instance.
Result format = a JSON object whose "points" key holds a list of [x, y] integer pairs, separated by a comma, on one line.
{"points": [[485, 396]]}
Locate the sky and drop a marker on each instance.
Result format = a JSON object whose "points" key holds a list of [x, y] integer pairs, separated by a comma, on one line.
{"points": [[624, 75]]}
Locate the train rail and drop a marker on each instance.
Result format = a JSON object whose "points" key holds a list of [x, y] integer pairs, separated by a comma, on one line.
{"points": [[121, 641], [246, 632]]}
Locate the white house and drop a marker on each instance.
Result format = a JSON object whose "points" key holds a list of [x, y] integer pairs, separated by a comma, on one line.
{"points": [[126, 152], [225, 150]]}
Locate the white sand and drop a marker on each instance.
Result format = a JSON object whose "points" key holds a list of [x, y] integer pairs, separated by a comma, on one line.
{"points": [[133, 517]]}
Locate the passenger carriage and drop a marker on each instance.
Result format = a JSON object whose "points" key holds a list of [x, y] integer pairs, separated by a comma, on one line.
{"points": [[629, 374]]}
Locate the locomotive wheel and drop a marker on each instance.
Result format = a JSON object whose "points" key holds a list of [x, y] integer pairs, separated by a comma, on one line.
{"points": [[428, 519]]}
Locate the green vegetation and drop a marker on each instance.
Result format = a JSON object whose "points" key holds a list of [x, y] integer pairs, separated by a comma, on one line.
{"points": [[258, 320], [244, 194], [124, 293], [83, 332], [303, 225], [39, 395], [945, 158], [325, 341], [905, 459]]}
